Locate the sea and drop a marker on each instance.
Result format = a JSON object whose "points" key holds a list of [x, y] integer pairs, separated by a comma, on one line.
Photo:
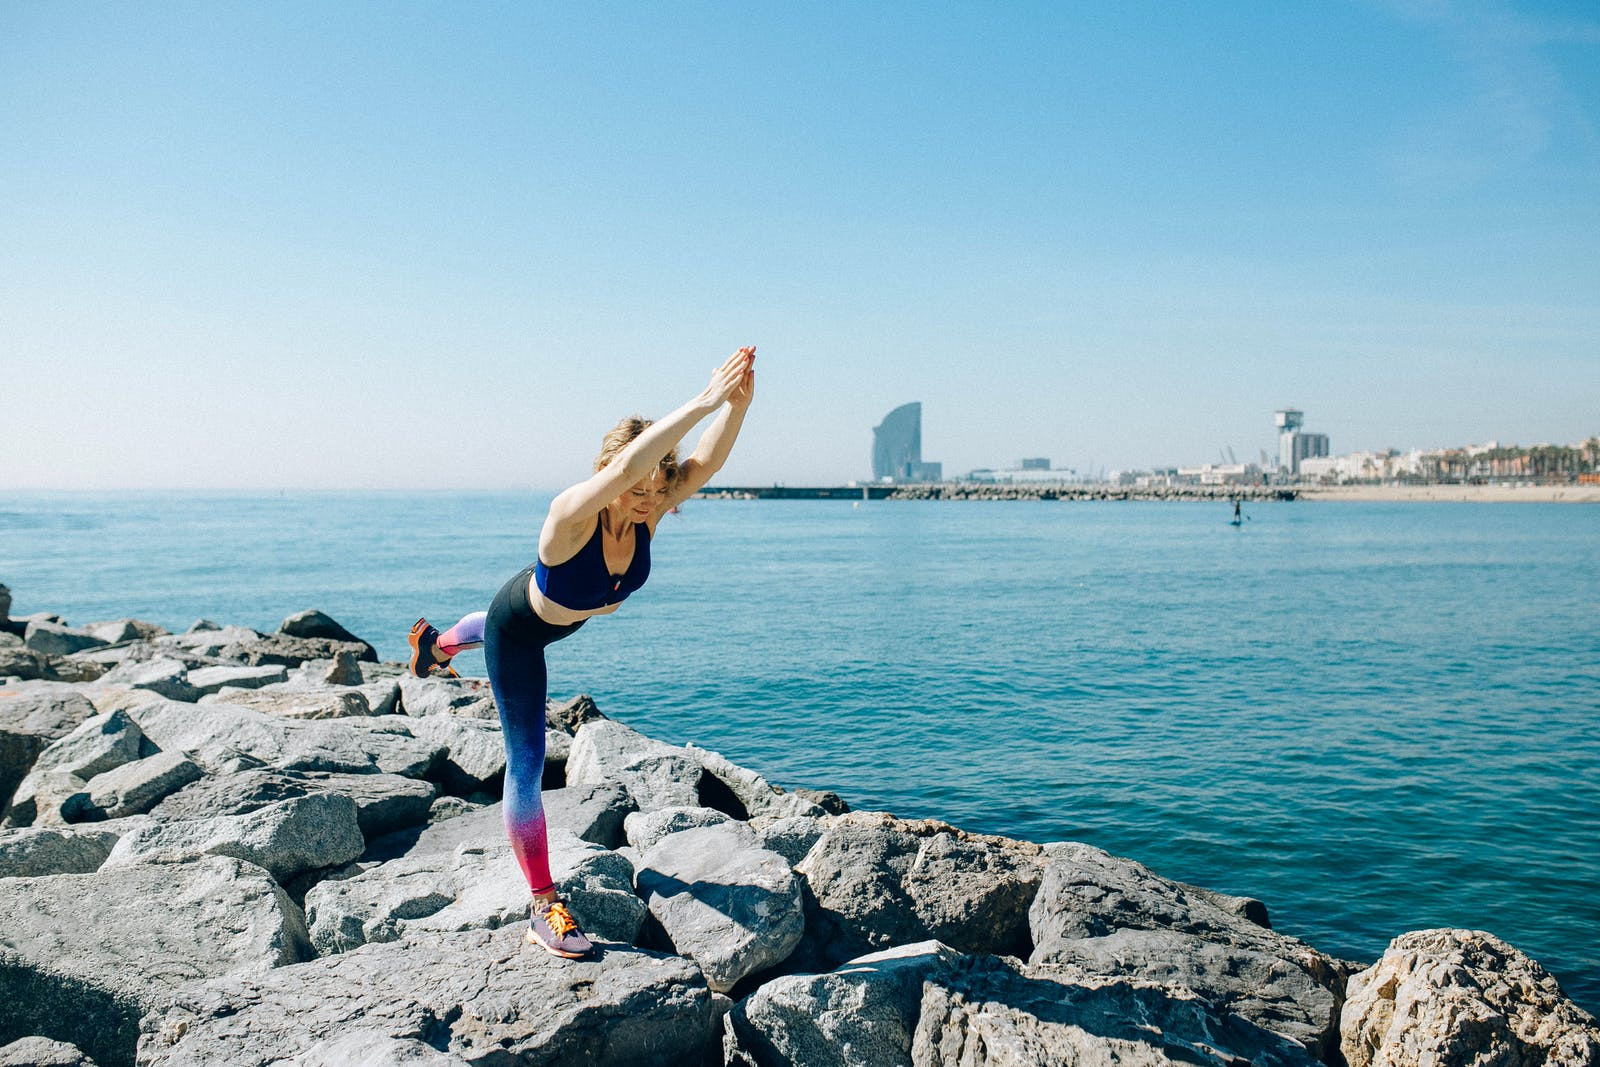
{"points": [[1375, 717]]}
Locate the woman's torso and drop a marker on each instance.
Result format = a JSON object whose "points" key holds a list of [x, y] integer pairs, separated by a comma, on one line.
{"points": [[596, 579]]}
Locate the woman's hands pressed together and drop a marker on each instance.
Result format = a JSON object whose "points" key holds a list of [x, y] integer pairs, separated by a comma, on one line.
{"points": [[734, 380]]}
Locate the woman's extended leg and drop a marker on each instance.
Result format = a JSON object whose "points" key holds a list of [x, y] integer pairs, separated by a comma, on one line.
{"points": [[468, 633]]}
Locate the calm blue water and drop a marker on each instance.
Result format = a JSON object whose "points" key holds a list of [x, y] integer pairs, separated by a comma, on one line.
{"points": [[1375, 717]]}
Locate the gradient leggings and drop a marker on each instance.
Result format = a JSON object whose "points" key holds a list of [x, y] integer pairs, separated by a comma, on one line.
{"points": [[514, 640]]}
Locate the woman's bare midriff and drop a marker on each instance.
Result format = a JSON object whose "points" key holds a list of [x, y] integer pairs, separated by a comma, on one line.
{"points": [[557, 614]]}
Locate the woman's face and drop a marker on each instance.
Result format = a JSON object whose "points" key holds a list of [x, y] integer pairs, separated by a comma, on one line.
{"points": [[641, 499]]}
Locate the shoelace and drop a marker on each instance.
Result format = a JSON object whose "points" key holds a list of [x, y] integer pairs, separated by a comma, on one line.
{"points": [[559, 920]]}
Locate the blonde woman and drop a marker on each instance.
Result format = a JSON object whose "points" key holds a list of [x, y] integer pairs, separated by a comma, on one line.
{"points": [[594, 551]]}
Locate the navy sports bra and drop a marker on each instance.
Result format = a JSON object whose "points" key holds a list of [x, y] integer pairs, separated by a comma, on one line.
{"points": [[583, 583]]}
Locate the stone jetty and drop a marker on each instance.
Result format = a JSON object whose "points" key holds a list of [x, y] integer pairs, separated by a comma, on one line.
{"points": [[235, 847]]}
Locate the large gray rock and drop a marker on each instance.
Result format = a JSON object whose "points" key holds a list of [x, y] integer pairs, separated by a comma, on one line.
{"points": [[207, 680], [926, 1004], [135, 788], [566, 716], [207, 641], [878, 881], [476, 750], [288, 838], [37, 851], [31, 718], [314, 624], [723, 901], [656, 774], [50, 794], [593, 813], [167, 677], [43, 1052], [118, 631], [82, 957], [644, 828], [385, 803], [790, 837], [51, 639], [18, 661], [477, 886], [1454, 998], [293, 651], [1113, 916], [295, 702], [752, 792], [481, 995], [468, 698], [222, 738]]}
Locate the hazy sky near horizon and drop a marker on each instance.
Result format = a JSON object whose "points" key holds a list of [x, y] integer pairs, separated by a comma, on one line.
{"points": [[431, 245]]}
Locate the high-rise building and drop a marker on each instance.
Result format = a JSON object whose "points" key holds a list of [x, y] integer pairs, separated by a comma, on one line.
{"points": [[897, 447], [1294, 444]]}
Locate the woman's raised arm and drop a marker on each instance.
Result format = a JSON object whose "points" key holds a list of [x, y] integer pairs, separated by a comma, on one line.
{"points": [[573, 508], [715, 444]]}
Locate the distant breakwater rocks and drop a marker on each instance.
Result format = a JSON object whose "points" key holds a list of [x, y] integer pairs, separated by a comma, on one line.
{"points": [[984, 491], [235, 847]]}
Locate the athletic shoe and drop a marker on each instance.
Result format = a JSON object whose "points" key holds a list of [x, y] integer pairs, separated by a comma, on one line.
{"points": [[552, 927], [424, 639]]}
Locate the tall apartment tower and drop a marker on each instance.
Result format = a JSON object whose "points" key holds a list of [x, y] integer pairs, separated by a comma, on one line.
{"points": [[897, 447], [1294, 444]]}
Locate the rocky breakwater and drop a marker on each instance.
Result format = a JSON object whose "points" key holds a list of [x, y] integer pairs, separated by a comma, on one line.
{"points": [[236, 847]]}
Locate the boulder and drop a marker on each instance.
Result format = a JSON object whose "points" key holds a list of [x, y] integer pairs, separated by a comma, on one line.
{"points": [[385, 803], [476, 751], [208, 640], [480, 995], [752, 794], [118, 631], [166, 677], [591, 812], [37, 851], [222, 738], [476, 886], [657, 775], [135, 788], [644, 828], [383, 696], [52, 639], [47, 796], [1116, 917], [878, 881], [294, 702], [1459, 997], [287, 838], [206, 680], [315, 624], [343, 669], [927, 1004], [293, 651], [723, 901], [790, 837], [567, 716], [31, 718], [469, 698], [826, 799], [17, 661], [154, 929], [43, 1052]]}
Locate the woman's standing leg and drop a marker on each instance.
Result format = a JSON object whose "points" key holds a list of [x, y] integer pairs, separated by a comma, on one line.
{"points": [[513, 648]]}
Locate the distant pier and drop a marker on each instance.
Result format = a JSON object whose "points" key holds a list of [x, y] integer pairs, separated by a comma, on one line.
{"points": [[984, 491]]}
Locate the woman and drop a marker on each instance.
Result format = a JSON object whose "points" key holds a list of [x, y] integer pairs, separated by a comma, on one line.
{"points": [[594, 550]]}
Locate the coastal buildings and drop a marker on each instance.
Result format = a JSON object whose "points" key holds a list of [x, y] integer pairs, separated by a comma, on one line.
{"points": [[1027, 472], [1294, 444], [897, 447]]}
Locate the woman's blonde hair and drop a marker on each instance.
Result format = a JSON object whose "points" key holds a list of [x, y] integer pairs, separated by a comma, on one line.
{"points": [[622, 435]]}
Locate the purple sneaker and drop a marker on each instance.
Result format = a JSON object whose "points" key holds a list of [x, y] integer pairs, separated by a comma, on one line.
{"points": [[552, 927]]}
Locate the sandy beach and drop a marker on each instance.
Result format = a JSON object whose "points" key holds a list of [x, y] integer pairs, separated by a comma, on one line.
{"points": [[1464, 494]]}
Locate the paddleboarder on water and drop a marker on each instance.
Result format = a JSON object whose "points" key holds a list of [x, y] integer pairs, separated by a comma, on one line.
{"points": [[594, 551]]}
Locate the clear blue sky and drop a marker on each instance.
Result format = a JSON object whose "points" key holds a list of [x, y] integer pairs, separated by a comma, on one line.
{"points": [[431, 245]]}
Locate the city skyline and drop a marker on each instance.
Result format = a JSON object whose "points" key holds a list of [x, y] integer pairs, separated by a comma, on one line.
{"points": [[329, 245]]}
